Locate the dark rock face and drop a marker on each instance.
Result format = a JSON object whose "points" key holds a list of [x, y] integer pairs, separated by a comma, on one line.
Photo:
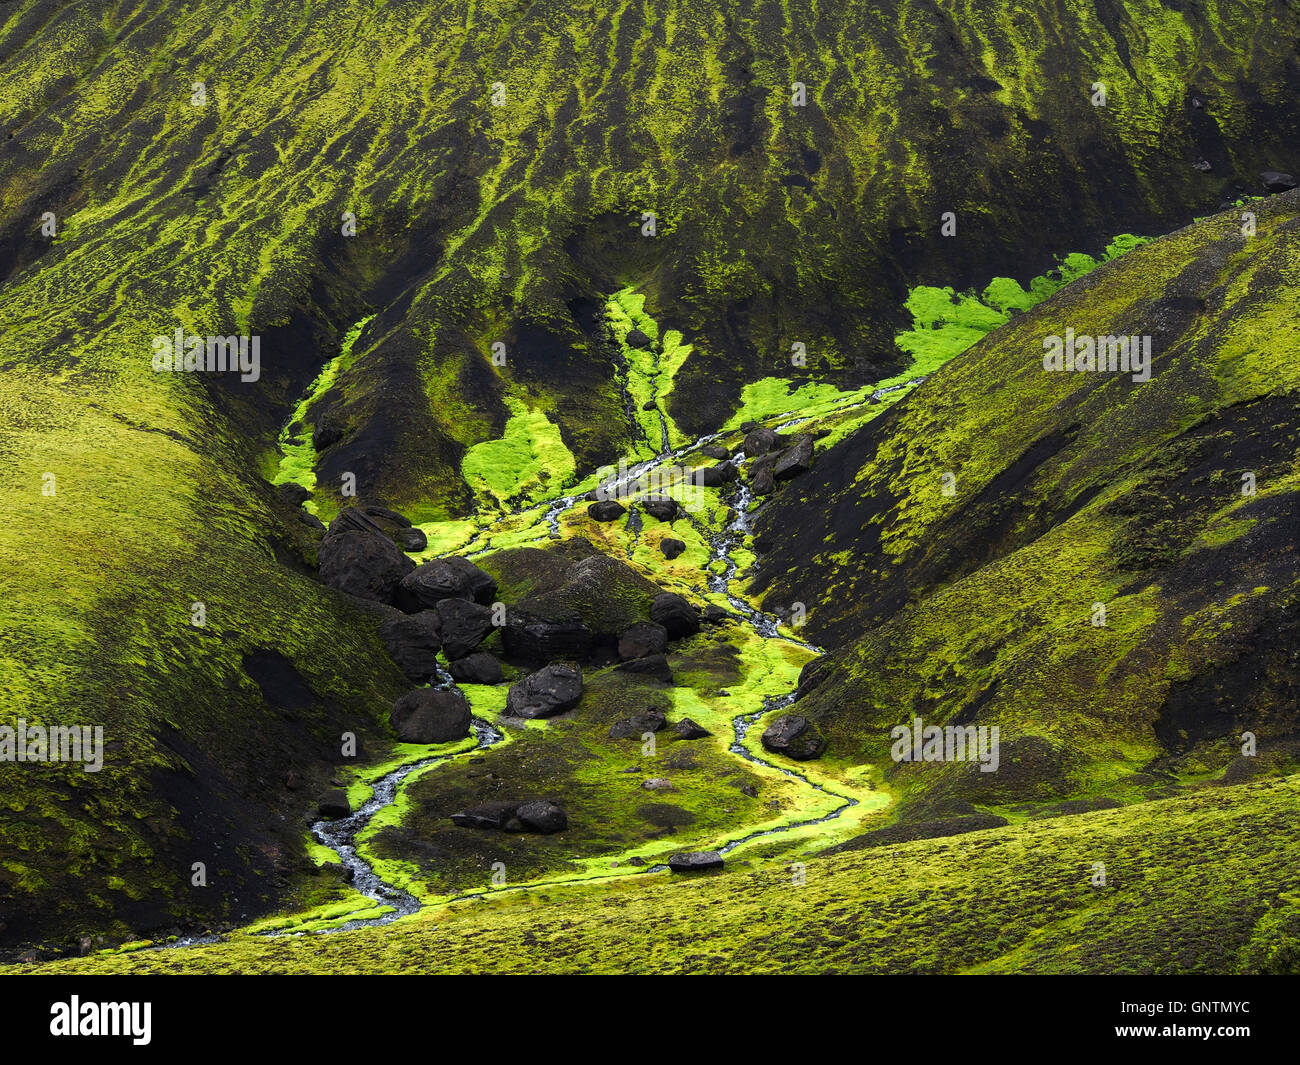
{"points": [[795, 737], [653, 666], [643, 638], [671, 547], [715, 451], [327, 432], [445, 578], [355, 519], [537, 639], [480, 668], [760, 441], [427, 715], [542, 816], [634, 727], [686, 729], [293, 493], [549, 691], [413, 642], [661, 508], [715, 615], [465, 625], [695, 861], [715, 476], [367, 565], [383, 514], [606, 510], [334, 804], [764, 483], [1275, 181], [794, 460], [534, 815], [496, 814], [675, 614], [637, 339], [411, 540]]}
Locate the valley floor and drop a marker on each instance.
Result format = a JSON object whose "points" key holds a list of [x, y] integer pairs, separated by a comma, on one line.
{"points": [[1209, 882]]}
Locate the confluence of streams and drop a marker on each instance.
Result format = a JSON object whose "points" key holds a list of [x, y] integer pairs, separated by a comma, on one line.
{"points": [[341, 835]]}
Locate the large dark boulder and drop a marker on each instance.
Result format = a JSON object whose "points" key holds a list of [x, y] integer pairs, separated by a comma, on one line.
{"points": [[534, 815], [355, 519], [637, 339], [760, 441], [695, 861], [715, 451], [334, 804], [671, 547], [365, 564], [495, 814], [634, 727], [643, 638], [763, 484], [606, 510], [675, 614], [653, 666], [431, 715], [715, 476], [413, 642], [411, 540], [480, 668], [794, 460], [1275, 181], [551, 690], [445, 578], [465, 625], [536, 639], [662, 508], [795, 737], [542, 816], [686, 729]]}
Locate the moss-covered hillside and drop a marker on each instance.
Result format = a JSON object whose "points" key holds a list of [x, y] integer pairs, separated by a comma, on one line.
{"points": [[1105, 569]]}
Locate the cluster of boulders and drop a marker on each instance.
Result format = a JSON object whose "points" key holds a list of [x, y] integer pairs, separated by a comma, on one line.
{"points": [[638, 724]]}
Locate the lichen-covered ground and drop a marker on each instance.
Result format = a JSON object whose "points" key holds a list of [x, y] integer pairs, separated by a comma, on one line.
{"points": [[435, 218]]}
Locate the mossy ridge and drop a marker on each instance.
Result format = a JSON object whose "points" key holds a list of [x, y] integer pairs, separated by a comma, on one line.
{"points": [[1068, 491], [1188, 890]]}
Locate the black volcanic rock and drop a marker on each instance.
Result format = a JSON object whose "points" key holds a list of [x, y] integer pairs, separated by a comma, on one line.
{"points": [[606, 510], [760, 441], [671, 547], [539, 815], [445, 578], [794, 460], [675, 614], [333, 805], [695, 861], [465, 625], [549, 691], [795, 737], [413, 642], [662, 508], [643, 638], [480, 668], [430, 715], [637, 725], [365, 564]]}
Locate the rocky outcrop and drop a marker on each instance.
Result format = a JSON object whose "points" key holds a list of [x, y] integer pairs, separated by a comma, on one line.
{"points": [[365, 564], [550, 691], [794, 737], [431, 715]]}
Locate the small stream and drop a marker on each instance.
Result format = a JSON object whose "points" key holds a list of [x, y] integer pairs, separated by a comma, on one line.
{"points": [[341, 835]]}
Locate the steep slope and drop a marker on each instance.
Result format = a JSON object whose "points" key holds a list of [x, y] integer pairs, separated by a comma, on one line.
{"points": [[1188, 889], [1104, 568], [190, 167]]}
